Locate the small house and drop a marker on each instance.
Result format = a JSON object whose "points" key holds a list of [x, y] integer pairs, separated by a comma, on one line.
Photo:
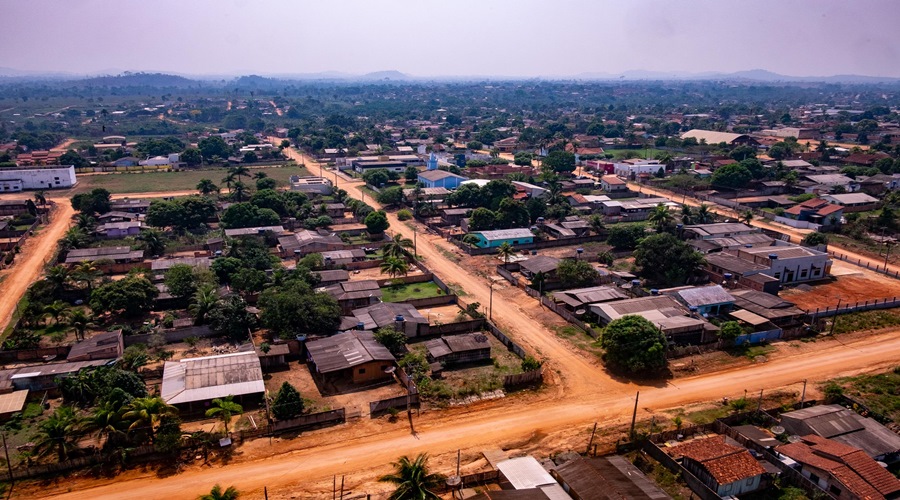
{"points": [[192, 383], [580, 298], [343, 257], [107, 345], [116, 230], [453, 216], [613, 184], [352, 356], [441, 178], [352, 295], [727, 469], [306, 242], [606, 478], [12, 403], [332, 276], [543, 264], [853, 202], [705, 300], [403, 317], [493, 239], [458, 349]]}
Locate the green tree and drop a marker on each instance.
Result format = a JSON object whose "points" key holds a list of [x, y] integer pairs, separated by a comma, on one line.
{"points": [[377, 177], [56, 309], [523, 159], [505, 251], [203, 302], [153, 240], [634, 345], [206, 187], [512, 214], [576, 273], [230, 317], [217, 493], [741, 153], [79, 320], [214, 146], [704, 215], [287, 404], [85, 273], [391, 196], [376, 222], [394, 267], [144, 415], [95, 202], [294, 309], [560, 161], [814, 239], [132, 296], [661, 218], [625, 237], [413, 480], [411, 174], [397, 247], [730, 331], [734, 176], [182, 280], [249, 280], [482, 219], [225, 408], [248, 215], [392, 338], [58, 434], [665, 260], [192, 157]]}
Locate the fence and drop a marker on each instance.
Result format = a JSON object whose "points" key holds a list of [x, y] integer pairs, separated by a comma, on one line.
{"points": [[313, 419], [471, 325], [431, 301], [457, 240], [878, 269], [18, 355], [512, 346], [526, 378], [377, 408], [416, 278], [869, 305], [172, 336], [75, 463]]}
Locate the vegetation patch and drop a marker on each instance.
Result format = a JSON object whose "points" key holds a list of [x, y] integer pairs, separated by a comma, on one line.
{"points": [[400, 293], [880, 392]]}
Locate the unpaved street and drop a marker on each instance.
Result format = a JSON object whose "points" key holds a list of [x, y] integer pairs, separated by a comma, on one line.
{"points": [[30, 263]]}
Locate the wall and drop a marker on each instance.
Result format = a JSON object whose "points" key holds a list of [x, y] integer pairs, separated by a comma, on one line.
{"points": [[432, 301], [18, 355], [173, 336]]}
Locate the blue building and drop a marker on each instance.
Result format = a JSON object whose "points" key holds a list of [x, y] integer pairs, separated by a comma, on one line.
{"points": [[440, 178], [493, 239], [432, 162], [706, 300]]}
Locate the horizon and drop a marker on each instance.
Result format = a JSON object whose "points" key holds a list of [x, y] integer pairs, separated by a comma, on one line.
{"points": [[500, 40]]}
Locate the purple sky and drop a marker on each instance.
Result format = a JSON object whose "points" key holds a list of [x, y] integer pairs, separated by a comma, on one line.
{"points": [[452, 38]]}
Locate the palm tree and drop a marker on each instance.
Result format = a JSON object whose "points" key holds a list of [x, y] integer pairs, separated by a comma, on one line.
{"points": [[260, 175], [55, 310], [240, 189], [153, 239], [747, 218], [204, 300], [79, 321], [396, 247], [704, 215], [216, 493], [41, 198], [224, 408], [57, 276], [85, 222], [596, 223], [661, 218], [106, 420], [145, 414], [87, 274], [59, 433], [413, 480], [687, 214], [505, 250], [228, 180], [394, 267], [239, 171], [206, 187], [74, 238]]}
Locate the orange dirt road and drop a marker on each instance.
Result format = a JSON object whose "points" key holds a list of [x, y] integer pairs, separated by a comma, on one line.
{"points": [[291, 473], [34, 255]]}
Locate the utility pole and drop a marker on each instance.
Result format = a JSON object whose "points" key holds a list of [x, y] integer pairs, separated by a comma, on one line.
{"points": [[887, 248], [591, 441], [491, 302], [759, 404], [634, 414], [8, 463], [803, 394], [833, 322]]}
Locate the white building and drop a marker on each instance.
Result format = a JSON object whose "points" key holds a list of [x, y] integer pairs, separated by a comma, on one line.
{"points": [[311, 184], [631, 169], [37, 177], [171, 159]]}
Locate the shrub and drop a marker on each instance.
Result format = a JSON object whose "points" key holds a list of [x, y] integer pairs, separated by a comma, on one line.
{"points": [[404, 214]]}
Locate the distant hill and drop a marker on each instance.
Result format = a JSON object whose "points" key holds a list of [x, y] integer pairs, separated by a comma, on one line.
{"points": [[386, 75], [758, 75], [128, 79]]}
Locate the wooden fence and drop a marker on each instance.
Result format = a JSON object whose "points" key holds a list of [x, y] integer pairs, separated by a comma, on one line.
{"points": [[527, 378], [378, 408], [305, 421], [18, 355], [440, 300], [512, 346]]}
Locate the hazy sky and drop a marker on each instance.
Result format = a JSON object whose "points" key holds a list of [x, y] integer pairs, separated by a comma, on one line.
{"points": [[454, 37]]}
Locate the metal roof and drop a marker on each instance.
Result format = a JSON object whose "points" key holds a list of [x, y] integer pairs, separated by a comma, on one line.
{"points": [[97, 343], [843, 425], [720, 228], [385, 313], [748, 317], [608, 478], [457, 343], [201, 379], [164, 264], [243, 231], [13, 401], [705, 295], [594, 294], [540, 264], [525, 473], [346, 350], [505, 234]]}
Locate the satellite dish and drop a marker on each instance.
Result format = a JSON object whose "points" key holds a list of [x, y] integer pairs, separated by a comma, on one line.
{"points": [[454, 481], [579, 312], [390, 370], [777, 430], [794, 439]]}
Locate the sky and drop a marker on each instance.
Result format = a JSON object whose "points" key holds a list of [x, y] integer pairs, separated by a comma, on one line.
{"points": [[513, 38]]}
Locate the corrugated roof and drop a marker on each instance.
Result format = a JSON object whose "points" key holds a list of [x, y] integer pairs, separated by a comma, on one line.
{"points": [[608, 478], [843, 425], [385, 313], [725, 462], [540, 264], [748, 317], [210, 377], [504, 234], [99, 342], [164, 264], [13, 401], [705, 295], [525, 473], [595, 294], [346, 350]]}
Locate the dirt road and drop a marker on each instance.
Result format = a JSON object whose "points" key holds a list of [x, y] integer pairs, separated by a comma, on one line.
{"points": [[35, 253], [297, 472]]}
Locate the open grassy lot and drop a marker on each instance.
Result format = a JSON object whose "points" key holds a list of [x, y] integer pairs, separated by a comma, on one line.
{"points": [[868, 320], [399, 293], [635, 153], [175, 181], [880, 392]]}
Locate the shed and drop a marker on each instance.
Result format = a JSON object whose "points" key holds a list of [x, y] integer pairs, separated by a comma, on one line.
{"points": [[606, 478], [465, 348], [353, 355], [192, 383], [108, 345], [12, 402]]}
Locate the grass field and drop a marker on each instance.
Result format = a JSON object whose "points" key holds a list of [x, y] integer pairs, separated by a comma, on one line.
{"points": [[635, 153], [410, 291], [880, 392], [175, 181]]}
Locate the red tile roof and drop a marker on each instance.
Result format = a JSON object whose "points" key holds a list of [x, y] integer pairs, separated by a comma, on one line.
{"points": [[726, 463]]}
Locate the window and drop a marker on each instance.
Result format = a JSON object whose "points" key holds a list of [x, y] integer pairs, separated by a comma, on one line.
{"points": [[803, 273], [362, 371], [778, 275], [750, 481], [834, 490], [814, 478]]}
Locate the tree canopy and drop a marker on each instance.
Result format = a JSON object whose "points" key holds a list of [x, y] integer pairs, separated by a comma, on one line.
{"points": [[666, 260], [634, 345]]}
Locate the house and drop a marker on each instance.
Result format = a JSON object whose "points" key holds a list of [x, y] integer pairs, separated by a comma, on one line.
{"points": [[507, 145], [634, 210], [493, 239], [354, 294], [527, 474], [840, 470], [710, 300], [847, 427], [606, 478], [160, 266], [543, 264], [13, 179], [254, 231], [118, 217], [275, 357], [107, 345], [355, 356], [781, 313], [458, 349], [108, 259], [362, 167], [795, 132], [403, 317], [44, 376], [865, 159], [129, 206], [664, 312], [713, 137], [828, 183], [192, 383], [570, 227], [580, 298], [527, 190], [311, 184], [613, 184], [786, 263], [817, 211], [306, 242], [436, 194], [453, 216], [335, 210], [635, 168], [718, 230], [728, 469], [441, 178], [853, 202], [343, 257], [12, 403], [161, 161], [116, 230], [331, 276], [13, 207]]}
